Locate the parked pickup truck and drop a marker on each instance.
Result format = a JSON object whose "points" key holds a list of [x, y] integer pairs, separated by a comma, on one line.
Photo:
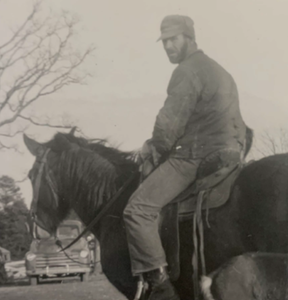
{"points": [[46, 262]]}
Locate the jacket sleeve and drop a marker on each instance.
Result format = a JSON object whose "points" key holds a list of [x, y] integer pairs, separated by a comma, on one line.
{"points": [[183, 92]]}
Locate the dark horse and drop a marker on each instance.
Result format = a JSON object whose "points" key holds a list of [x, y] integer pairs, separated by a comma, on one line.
{"points": [[84, 175]]}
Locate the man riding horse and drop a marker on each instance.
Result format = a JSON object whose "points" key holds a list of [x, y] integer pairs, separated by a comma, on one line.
{"points": [[201, 115]]}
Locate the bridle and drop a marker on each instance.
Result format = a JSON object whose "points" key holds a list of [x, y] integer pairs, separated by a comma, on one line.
{"points": [[43, 169]]}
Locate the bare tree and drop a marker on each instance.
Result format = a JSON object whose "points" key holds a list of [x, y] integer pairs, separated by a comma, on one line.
{"points": [[37, 61], [271, 142]]}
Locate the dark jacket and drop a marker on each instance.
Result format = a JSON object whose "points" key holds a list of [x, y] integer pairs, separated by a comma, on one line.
{"points": [[201, 113]]}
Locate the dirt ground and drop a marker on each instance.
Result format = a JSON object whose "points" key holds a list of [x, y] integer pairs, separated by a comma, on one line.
{"points": [[97, 288]]}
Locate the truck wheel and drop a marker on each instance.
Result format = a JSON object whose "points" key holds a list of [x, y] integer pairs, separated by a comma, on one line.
{"points": [[33, 280], [84, 277]]}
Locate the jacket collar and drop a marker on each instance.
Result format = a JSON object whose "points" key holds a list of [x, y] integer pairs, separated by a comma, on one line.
{"points": [[192, 54]]}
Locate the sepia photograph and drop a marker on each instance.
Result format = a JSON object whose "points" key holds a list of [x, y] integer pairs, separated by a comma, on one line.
{"points": [[143, 150]]}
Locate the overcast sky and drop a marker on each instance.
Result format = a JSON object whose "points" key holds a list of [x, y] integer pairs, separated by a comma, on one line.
{"points": [[131, 71]]}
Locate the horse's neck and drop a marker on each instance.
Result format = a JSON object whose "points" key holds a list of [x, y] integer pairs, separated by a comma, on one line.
{"points": [[87, 192], [114, 212], [115, 259], [111, 235]]}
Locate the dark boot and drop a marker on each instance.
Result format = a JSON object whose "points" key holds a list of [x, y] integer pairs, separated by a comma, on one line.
{"points": [[160, 286]]}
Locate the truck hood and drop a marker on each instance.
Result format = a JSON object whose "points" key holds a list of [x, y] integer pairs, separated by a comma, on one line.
{"points": [[48, 246]]}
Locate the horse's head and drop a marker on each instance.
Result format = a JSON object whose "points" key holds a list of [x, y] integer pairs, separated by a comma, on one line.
{"points": [[72, 172], [47, 208]]}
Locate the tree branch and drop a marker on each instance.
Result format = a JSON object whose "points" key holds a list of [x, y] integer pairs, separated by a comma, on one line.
{"points": [[22, 180], [21, 28], [43, 57], [11, 135], [44, 124], [13, 147]]}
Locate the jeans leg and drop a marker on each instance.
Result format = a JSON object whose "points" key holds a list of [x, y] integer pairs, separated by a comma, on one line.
{"points": [[141, 214]]}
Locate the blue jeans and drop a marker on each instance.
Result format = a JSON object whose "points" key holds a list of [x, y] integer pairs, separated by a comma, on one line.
{"points": [[141, 214]]}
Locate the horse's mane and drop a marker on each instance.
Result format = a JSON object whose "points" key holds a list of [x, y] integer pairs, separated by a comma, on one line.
{"points": [[90, 172]]}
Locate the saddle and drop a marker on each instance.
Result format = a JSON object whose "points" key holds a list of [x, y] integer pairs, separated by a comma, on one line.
{"points": [[215, 177]]}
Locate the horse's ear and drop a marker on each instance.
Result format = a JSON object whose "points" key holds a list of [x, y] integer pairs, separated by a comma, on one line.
{"points": [[72, 131], [34, 147]]}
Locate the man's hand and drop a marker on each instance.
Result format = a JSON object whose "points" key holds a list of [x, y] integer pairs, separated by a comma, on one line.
{"points": [[149, 158], [148, 150]]}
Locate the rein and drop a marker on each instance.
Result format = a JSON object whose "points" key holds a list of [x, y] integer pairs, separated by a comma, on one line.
{"points": [[103, 211], [198, 242]]}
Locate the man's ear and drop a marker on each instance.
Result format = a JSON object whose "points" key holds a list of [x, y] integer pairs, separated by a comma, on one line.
{"points": [[34, 147]]}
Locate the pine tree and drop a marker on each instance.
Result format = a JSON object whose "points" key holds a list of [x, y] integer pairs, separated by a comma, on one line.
{"points": [[13, 232]]}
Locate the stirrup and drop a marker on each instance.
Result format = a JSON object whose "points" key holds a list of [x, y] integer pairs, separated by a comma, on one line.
{"points": [[142, 288]]}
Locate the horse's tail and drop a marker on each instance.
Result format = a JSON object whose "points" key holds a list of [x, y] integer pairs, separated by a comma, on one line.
{"points": [[206, 283]]}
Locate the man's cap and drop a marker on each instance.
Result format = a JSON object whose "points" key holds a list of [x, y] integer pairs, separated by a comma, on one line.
{"points": [[174, 25]]}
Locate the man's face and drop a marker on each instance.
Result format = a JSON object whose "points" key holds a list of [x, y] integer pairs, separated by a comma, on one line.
{"points": [[176, 48]]}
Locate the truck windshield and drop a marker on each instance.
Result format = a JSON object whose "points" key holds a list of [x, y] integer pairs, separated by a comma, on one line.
{"points": [[67, 231]]}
